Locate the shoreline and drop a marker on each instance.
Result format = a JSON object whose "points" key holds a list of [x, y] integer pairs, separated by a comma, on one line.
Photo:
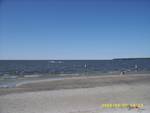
{"points": [[79, 95], [74, 83]]}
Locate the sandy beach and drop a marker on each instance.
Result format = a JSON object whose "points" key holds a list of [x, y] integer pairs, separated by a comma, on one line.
{"points": [[78, 95]]}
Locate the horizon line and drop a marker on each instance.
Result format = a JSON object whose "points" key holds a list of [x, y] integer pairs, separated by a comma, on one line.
{"points": [[85, 59]]}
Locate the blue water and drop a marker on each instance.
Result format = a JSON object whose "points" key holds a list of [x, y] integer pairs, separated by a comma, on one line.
{"points": [[29, 67]]}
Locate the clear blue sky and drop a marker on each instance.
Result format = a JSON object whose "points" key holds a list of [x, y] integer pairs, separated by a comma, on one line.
{"points": [[74, 29]]}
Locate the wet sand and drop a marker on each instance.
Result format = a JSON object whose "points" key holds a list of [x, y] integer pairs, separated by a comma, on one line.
{"points": [[78, 95]]}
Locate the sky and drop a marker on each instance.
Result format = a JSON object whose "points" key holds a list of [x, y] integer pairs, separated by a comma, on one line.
{"points": [[74, 29]]}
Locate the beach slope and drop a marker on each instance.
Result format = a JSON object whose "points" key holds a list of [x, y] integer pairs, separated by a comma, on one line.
{"points": [[78, 95]]}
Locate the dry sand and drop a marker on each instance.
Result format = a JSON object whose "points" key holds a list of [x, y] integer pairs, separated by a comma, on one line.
{"points": [[78, 95]]}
